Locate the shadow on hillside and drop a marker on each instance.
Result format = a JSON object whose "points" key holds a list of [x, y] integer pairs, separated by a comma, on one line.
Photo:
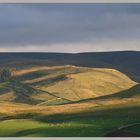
{"points": [[102, 113], [90, 123], [114, 112]]}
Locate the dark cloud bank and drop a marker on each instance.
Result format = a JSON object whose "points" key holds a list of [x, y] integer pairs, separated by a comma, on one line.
{"points": [[69, 27]]}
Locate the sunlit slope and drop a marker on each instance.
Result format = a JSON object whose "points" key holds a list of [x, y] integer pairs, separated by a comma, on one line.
{"points": [[132, 94], [89, 84], [21, 88], [62, 84]]}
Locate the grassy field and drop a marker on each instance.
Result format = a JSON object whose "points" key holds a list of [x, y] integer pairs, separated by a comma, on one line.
{"points": [[93, 123], [133, 129], [67, 101]]}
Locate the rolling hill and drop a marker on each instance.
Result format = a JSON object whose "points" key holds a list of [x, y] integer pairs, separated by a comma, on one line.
{"points": [[66, 100], [62, 84]]}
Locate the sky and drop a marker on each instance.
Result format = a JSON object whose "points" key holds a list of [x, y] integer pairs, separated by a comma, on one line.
{"points": [[69, 28]]}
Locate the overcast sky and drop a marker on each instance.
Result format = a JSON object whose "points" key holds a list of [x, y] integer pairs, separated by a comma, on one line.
{"points": [[69, 27]]}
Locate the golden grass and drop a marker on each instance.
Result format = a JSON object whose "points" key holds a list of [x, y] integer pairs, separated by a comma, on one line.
{"points": [[93, 83], [42, 96], [39, 68], [27, 70], [89, 83], [15, 109], [9, 96]]}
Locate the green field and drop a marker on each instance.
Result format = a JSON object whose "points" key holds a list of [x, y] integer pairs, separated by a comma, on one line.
{"points": [[96, 123]]}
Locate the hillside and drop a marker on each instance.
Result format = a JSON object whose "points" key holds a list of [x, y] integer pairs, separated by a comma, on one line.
{"points": [[67, 101], [89, 84], [131, 94], [125, 61], [62, 84]]}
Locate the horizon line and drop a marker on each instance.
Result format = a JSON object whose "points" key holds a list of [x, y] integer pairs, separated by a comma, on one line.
{"points": [[75, 52]]}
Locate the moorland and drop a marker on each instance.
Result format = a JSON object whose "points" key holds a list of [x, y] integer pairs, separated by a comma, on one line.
{"points": [[69, 95]]}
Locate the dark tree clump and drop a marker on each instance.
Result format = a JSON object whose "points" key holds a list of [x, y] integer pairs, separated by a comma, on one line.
{"points": [[5, 74]]}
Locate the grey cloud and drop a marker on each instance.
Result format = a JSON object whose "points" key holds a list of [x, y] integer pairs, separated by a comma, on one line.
{"points": [[45, 24]]}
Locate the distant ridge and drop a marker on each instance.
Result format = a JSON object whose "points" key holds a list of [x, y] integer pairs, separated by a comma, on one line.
{"points": [[127, 62]]}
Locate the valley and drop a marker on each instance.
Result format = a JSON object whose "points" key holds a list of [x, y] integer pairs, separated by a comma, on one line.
{"points": [[69, 69]]}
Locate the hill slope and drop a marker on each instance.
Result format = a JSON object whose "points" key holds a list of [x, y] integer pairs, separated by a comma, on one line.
{"points": [[62, 84], [89, 84]]}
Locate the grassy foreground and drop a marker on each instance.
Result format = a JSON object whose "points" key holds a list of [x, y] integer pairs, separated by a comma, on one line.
{"points": [[90, 124]]}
